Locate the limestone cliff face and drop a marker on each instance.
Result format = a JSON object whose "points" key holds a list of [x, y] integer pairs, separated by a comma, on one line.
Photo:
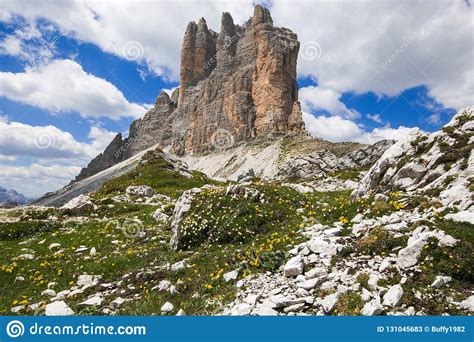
{"points": [[235, 86], [241, 80], [155, 127]]}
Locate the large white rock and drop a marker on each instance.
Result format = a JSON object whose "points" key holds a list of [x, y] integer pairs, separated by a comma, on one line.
{"points": [[299, 187], [17, 309], [49, 293], [385, 168], [386, 263], [294, 266], [54, 245], [332, 231], [177, 266], [181, 313], [265, 311], [329, 302], [320, 272], [462, 216], [408, 256], [232, 275], [164, 285], [242, 309], [160, 216], [440, 281], [402, 167], [88, 280], [358, 218], [468, 304], [309, 284], [183, 205], [59, 308], [366, 295], [322, 247], [372, 308], [79, 204], [393, 296], [140, 190], [167, 307], [93, 301]]}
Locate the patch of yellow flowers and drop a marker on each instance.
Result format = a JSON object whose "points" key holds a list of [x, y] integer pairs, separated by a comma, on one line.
{"points": [[8, 268], [397, 205], [343, 220]]}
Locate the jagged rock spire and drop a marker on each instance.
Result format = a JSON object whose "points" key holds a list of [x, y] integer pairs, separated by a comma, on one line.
{"points": [[163, 99], [235, 86], [227, 39], [261, 15]]}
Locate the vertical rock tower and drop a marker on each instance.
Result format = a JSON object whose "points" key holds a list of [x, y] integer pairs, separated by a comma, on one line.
{"points": [[241, 80], [236, 86]]}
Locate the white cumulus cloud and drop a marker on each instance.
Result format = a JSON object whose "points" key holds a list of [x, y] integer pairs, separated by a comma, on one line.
{"points": [[38, 159], [36, 179], [64, 86], [386, 46], [319, 98], [338, 129], [375, 117], [49, 142]]}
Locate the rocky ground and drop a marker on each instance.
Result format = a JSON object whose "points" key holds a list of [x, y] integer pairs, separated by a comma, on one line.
{"points": [[378, 266], [396, 238]]}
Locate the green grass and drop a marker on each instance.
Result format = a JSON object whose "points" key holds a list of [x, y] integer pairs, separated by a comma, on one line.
{"points": [[349, 304], [363, 280], [379, 241], [157, 173], [455, 262], [129, 254], [219, 218], [349, 174], [111, 260], [12, 231]]}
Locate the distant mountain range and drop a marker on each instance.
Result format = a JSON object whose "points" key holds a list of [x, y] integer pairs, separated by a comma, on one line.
{"points": [[11, 198]]}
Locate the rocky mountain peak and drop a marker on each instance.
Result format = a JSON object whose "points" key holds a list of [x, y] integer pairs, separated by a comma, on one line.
{"points": [[11, 198], [235, 86], [261, 15], [163, 99]]}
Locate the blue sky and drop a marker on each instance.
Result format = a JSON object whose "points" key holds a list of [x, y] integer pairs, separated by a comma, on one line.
{"points": [[73, 74]]}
